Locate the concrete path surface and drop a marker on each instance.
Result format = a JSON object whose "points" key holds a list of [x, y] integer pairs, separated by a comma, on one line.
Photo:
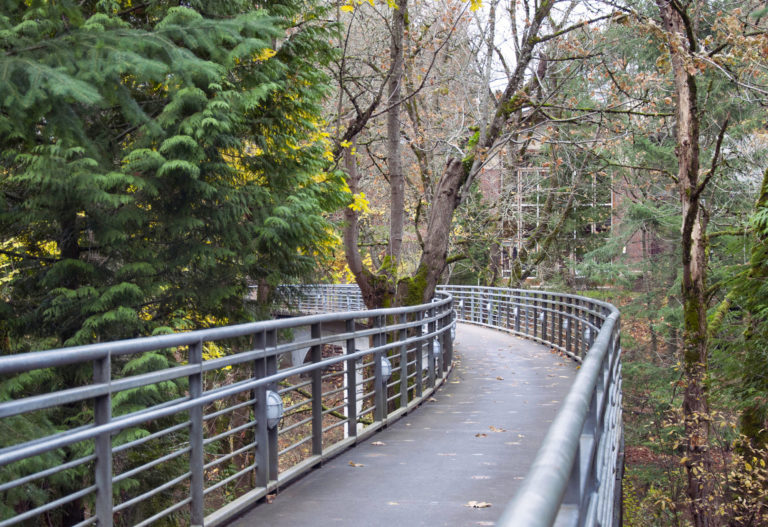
{"points": [[472, 442]]}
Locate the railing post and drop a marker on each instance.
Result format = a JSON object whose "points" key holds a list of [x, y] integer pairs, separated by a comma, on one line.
{"points": [[525, 311], [317, 392], [560, 319], [439, 353], [102, 415], [261, 454], [576, 328], [508, 310], [568, 329], [431, 348], [419, 357], [402, 336], [196, 460], [351, 382], [545, 313], [473, 302], [379, 389], [448, 340]]}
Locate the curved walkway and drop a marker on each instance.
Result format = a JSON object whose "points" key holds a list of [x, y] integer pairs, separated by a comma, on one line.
{"points": [[474, 442]]}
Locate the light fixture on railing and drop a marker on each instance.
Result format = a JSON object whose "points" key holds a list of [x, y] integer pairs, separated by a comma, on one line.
{"points": [[541, 316], [565, 324], [436, 348], [274, 408], [453, 330], [488, 306], [461, 304], [514, 312], [386, 369], [587, 334]]}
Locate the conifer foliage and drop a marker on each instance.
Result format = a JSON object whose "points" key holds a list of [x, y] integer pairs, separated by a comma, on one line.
{"points": [[156, 157]]}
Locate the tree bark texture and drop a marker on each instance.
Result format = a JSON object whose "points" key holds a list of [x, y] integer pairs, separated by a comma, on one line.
{"points": [[698, 462], [394, 158]]}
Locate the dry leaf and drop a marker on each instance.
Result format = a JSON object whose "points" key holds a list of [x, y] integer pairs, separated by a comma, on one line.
{"points": [[270, 498], [481, 435], [499, 378], [353, 464], [478, 504], [378, 443], [431, 400], [494, 429]]}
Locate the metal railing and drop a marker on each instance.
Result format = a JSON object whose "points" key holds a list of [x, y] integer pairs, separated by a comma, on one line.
{"points": [[214, 432], [177, 427], [576, 476]]}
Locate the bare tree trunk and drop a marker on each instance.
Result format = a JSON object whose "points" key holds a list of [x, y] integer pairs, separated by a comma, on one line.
{"points": [[394, 158], [383, 286], [698, 462]]}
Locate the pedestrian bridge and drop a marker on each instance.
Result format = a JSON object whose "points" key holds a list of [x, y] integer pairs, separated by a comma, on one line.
{"points": [[227, 425]]}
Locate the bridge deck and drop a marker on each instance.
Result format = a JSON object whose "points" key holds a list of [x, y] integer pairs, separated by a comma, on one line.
{"points": [[474, 441]]}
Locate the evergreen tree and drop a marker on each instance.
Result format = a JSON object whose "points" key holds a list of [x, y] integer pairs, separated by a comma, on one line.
{"points": [[155, 159]]}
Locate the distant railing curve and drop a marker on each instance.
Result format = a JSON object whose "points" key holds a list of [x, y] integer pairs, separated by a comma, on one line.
{"points": [[575, 479]]}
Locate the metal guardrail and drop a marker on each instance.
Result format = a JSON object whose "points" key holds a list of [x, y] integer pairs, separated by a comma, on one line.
{"points": [[203, 444], [336, 398], [576, 476]]}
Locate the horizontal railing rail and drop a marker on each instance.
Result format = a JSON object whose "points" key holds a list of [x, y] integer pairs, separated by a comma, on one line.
{"points": [[194, 427], [575, 478]]}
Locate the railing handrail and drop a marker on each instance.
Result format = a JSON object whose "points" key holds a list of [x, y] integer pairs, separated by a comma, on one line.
{"points": [[10, 364]]}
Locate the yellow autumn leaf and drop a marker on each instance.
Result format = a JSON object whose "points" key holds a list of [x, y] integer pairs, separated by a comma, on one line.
{"points": [[348, 8], [360, 203], [474, 5], [265, 54]]}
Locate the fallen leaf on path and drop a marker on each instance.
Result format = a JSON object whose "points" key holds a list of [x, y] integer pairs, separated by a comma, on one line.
{"points": [[270, 498], [481, 477], [481, 435], [477, 504], [378, 443], [494, 429], [392, 503], [499, 378], [353, 464], [431, 400]]}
